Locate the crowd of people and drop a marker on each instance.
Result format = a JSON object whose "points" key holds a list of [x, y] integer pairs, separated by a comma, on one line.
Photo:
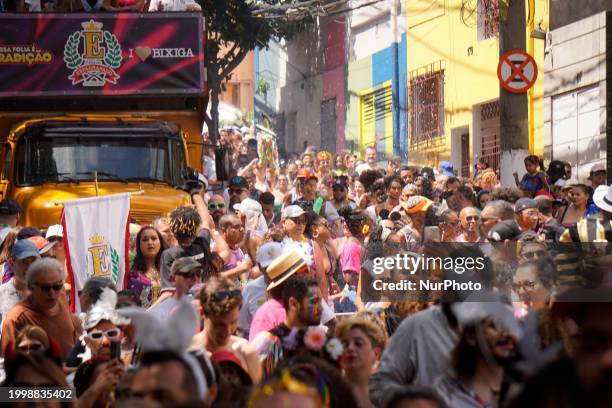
{"points": [[262, 292]]}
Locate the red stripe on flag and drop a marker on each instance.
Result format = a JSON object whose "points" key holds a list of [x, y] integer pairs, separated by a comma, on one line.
{"points": [[127, 252], [69, 264]]}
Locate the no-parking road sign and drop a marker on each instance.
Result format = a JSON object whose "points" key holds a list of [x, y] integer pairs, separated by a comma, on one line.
{"points": [[517, 71]]}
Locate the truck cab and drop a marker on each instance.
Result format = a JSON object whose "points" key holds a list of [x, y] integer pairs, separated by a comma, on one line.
{"points": [[50, 160]]}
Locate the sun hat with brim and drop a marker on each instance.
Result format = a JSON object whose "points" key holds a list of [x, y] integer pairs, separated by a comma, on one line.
{"points": [[571, 183], [416, 204], [602, 197], [249, 207], [283, 267]]}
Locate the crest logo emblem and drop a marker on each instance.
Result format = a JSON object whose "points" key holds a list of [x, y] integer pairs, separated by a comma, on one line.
{"points": [[93, 54], [103, 258]]}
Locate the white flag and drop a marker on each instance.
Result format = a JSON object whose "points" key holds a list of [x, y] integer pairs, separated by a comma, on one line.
{"points": [[96, 239]]}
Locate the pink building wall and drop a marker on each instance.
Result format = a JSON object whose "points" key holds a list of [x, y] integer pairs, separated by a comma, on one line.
{"points": [[334, 81]]}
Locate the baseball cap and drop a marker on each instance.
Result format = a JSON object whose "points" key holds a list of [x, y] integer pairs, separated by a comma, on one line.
{"points": [[239, 182], [184, 265], [341, 182], [249, 207], [306, 174], [524, 203], [268, 252], [28, 232], [292, 211], [446, 168], [9, 206], [42, 244], [55, 231], [597, 167], [227, 357], [23, 249]]}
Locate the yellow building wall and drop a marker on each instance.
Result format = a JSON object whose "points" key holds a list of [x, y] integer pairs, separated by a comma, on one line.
{"points": [[446, 31]]}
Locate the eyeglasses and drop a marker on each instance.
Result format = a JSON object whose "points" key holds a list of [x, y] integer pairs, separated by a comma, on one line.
{"points": [[523, 285], [236, 191], [472, 218], [226, 294], [109, 334], [534, 254], [322, 223], [191, 274], [299, 220], [531, 213], [47, 288], [30, 348], [214, 206]]}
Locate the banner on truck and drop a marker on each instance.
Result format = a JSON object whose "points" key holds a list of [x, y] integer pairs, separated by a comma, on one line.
{"points": [[101, 54], [96, 239]]}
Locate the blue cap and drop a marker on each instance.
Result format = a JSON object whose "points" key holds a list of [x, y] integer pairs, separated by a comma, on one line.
{"points": [[24, 248], [447, 169]]}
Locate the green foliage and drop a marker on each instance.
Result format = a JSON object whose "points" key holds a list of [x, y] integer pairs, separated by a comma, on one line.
{"points": [[71, 51], [115, 264], [113, 51]]}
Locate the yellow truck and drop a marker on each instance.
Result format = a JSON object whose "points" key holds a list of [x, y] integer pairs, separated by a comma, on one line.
{"points": [[93, 124]]}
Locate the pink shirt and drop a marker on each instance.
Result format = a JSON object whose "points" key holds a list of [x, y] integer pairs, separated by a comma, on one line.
{"points": [[268, 316], [350, 259]]}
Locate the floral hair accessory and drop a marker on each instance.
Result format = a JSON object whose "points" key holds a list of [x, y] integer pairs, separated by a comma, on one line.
{"points": [[287, 383], [316, 341]]}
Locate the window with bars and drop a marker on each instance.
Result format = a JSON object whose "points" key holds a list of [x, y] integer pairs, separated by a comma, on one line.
{"points": [[376, 106], [426, 95], [488, 19]]}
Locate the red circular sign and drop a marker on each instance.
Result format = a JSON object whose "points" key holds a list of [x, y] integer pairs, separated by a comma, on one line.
{"points": [[517, 71]]}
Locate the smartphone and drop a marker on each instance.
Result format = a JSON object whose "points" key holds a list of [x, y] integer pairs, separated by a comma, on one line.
{"points": [[431, 234], [115, 350]]}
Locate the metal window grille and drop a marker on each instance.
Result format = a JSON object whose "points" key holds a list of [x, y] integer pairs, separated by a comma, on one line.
{"points": [[376, 106], [426, 95], [490, 148]]}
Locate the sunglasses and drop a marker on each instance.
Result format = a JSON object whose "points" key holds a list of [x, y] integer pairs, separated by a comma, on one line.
{"points": [[524, 285], [237, 226], [322, 223], [299, 220], [236, 191], [188, 275], [339, 188], [109, 334], [472, 218], [48, 288], [535, 254], [30, 348], [226, 294], [214, 206]]}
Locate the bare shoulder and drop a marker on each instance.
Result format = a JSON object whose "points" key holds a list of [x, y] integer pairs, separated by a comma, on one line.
{"points": [[241, 345]]}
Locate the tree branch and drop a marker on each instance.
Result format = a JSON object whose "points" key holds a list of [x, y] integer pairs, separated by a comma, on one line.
{"points": [[233, 63]]}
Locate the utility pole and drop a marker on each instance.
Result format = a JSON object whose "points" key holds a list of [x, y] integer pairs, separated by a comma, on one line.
{"points": [[395, 79], [514, 116]]}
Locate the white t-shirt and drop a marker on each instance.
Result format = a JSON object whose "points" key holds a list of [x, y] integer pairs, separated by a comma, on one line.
{"points": [[365, 166], [253, 296]]}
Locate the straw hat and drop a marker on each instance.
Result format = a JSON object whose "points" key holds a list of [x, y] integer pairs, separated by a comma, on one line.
{"points": [[283, 267]]}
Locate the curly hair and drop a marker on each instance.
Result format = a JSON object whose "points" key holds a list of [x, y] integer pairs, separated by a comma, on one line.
{"points": [[369, 177], [510, 194], [215, 286], [354, 219], [185, 222], [373, 332]]}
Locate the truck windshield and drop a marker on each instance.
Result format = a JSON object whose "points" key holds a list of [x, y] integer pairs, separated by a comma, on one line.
{"points": [[70, 159]]}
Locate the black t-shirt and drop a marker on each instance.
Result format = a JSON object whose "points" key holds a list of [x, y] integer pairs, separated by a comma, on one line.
{"points": [[198, 250]]}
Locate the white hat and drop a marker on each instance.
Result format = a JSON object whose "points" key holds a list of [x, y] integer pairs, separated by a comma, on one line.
{"points": [[560, 183], [249, 207], [269, 252], [55, 231], [292, 211], [603, 198]]}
